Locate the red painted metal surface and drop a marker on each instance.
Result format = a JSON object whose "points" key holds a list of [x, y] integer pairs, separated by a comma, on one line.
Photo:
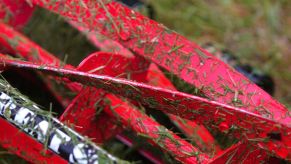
{"points": [[234, 104], [81, 113], [44, 57], [242, 153], [20, 45], [104, 63], [197, 133], [134, 113], [21, 144], [40, 55], [16, 12], [181, 104], [29, 48], [125, 113], [109, 64], [167, 140], [174, 53], [214, 78], [46, 129]]}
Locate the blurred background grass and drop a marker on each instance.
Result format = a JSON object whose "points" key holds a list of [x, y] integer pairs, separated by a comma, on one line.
{"points": [[258, 32]]}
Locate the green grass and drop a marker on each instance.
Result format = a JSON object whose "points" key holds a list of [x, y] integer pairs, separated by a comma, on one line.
{"points": [[258, 32]]}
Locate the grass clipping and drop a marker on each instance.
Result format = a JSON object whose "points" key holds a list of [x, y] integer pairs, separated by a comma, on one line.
{"points": [[42, 126]]}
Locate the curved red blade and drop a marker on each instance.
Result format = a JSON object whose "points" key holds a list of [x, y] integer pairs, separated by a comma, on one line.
{"points": [[249, 126]]}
